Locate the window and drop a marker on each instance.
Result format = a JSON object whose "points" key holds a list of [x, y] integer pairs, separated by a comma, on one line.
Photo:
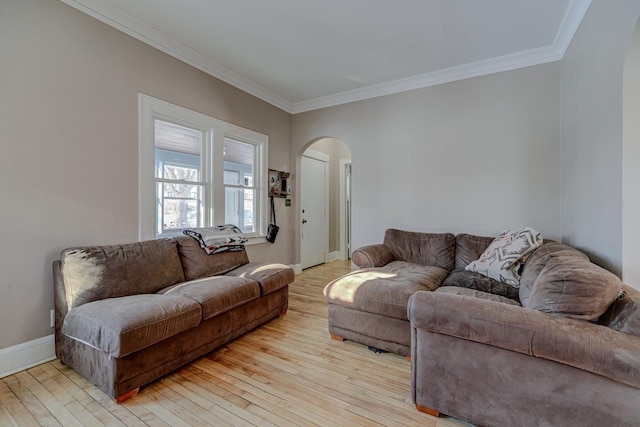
{"points": [[197, 171], [240, 191]]}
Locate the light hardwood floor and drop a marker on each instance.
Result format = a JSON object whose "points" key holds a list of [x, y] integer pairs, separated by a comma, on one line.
{"points": [[288, 372]]}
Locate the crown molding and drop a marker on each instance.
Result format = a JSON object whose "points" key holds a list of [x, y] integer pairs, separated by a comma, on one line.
{"points": [[571, 20], [576, 9], [447, 75], [126, 23], [110, 15]]}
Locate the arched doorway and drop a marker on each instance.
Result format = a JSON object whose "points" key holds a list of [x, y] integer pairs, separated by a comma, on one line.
{"points": [[631, 163], [325, 202]]}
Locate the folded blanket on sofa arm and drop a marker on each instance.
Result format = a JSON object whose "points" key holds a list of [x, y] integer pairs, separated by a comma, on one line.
{"points": [[222, 238]]}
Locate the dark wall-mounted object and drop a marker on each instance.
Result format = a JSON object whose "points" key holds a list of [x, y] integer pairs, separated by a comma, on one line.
{"points": [[278, 183]]}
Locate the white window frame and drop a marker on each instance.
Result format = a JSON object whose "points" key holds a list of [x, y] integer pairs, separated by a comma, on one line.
{"points": [[212, 157]]}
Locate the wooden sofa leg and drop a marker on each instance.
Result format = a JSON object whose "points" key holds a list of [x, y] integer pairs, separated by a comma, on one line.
{"points": [[283, 312], [409, 359], [337, 337], [127, 395], [429, 411]]}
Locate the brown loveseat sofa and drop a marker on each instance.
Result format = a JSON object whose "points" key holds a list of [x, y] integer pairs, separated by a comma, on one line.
{"points": [[128, 314], [562, 349]]}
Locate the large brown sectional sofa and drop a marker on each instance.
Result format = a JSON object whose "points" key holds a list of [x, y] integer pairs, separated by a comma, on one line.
{"points": [[563, 349], [129, 314]]}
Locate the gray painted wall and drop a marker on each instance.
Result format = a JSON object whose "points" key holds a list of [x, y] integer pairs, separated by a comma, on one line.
{"points": [[475, 156], [591, 164], [69, 126], [630, 162]]}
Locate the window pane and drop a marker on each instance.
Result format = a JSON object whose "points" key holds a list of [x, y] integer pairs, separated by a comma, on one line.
{"points": [[231, 178], [177, 151], [179, 207], [240, 208], [180, 172], [239, 157]]}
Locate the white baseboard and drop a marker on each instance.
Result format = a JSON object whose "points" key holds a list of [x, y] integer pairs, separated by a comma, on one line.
{"points": [[297, 268], [332, 256], [26, 355]]}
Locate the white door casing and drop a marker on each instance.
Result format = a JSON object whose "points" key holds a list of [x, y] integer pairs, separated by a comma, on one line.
{"points": [[345, 209]]}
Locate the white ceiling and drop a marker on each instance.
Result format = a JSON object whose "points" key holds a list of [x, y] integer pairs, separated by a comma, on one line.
{"points": [[302, 55]]}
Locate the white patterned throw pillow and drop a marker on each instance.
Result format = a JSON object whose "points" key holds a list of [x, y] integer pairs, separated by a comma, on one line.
{"points": [[504, 257]]}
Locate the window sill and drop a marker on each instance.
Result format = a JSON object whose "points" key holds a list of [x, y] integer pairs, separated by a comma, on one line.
{"points": [[256, 240]]}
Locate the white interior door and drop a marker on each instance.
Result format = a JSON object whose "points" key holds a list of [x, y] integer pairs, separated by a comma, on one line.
{"points": [[313, 204]]}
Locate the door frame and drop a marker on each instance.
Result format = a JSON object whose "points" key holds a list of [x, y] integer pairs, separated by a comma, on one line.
{"points": [[344, 255], [326, 159]]}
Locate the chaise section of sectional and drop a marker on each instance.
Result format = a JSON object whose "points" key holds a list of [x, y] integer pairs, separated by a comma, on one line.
{"points": [[369, 306]]}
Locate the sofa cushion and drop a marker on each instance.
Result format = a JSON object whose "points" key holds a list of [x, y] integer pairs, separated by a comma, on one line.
{"points": [[469, 248], [97, 272], [571, 286], [384, 291], [197, 264], [454, 290], [124, 325], [270, 277], [472, 280], [624, 314], [216, 295], [435, 249], [502, 259], [538, 259]]}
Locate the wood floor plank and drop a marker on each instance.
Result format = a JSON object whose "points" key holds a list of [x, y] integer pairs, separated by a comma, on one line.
{"points": [[140, 408], [287, 386], [205, 414], [223, 408], [254, 395], [13, 406], [119, 411], [292, 405], [31, 402], [80, 395], [5, 417], [288, 372], [339, 389], [49, 401]]}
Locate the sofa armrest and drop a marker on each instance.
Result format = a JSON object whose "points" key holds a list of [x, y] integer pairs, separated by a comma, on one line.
{"points": [[577, 343], [372, 256]]}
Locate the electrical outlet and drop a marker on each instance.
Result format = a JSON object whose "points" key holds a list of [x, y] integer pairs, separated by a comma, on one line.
{"points": [[52, 315]]}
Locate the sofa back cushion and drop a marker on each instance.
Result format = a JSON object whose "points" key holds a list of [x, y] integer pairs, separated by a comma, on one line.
{"points": [[472, 280], [434, 249], [569, 285], [469, 248], [93, 273], [537, 261], [624, 314], [197, 264]]}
